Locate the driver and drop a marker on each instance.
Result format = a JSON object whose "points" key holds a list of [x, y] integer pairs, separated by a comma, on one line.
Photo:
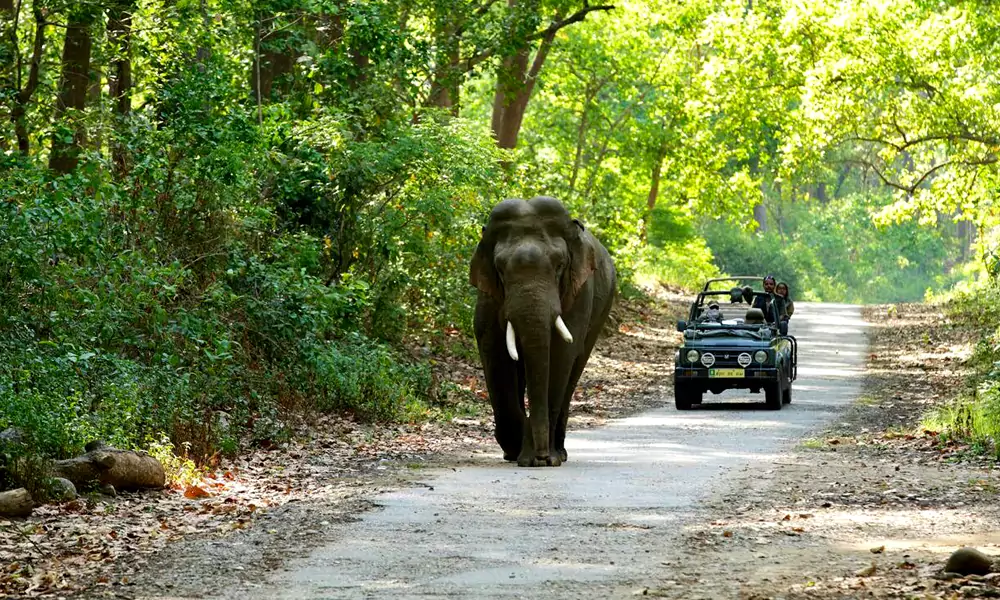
{"points": [[763, 302]]}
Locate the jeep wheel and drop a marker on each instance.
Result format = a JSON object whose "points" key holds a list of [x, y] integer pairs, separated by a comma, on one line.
{"points": [[685, 397], [786, 395], [773, 395]]}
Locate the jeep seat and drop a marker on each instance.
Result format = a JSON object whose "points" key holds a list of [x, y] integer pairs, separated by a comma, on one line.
{"points": [[754, 316]]}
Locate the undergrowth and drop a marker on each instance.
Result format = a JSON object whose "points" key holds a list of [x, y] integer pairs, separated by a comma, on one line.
{"points": [[974, 415]]}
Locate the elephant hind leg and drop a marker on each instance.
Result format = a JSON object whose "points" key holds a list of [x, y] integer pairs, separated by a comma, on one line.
{"points": [[559, 436]]}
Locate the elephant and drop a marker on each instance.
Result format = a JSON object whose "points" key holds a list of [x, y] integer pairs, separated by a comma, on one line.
{"points": [[545, 289]]}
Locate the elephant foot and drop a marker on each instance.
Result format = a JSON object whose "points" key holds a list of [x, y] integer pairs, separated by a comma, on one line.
{"points": [[562, 454], [510, 456], [539, 461]]}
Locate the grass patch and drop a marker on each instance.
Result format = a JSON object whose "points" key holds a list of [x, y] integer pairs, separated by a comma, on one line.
{"points": [[814, 444]]}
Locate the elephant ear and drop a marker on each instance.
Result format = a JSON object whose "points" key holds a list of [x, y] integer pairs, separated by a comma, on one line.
{"points": [[482, 273], [583, 262]]}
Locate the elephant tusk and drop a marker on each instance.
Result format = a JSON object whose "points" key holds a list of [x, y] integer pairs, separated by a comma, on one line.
{"points": [[563, 331], [511, 345]]}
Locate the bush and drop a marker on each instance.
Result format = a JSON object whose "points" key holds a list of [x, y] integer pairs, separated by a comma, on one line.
{"points": [[834, 252], [233, 277], [675, 254], [975, 414]]}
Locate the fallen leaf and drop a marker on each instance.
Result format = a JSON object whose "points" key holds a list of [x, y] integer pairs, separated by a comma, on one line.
{"points": [[194, 492]]}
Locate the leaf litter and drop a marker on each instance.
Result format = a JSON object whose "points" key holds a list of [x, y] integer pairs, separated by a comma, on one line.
{"points": [[877, 502], [273, 503]]}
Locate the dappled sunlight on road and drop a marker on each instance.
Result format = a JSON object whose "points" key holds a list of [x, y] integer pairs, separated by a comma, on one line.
{"points": [[499, 530]]}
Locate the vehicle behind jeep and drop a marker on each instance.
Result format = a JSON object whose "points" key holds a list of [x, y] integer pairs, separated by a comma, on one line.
{"points": [[728, 344]]}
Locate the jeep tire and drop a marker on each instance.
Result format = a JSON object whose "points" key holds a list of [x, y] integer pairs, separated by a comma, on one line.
{"points": [[685, 396], [773, 395]]}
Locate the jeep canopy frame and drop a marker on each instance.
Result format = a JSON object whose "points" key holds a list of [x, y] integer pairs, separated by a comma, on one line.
{"points": [[700, 301], [754, 278]]}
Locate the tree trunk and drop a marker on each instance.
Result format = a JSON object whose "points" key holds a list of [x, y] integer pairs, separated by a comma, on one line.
{"points": [[654, 192], [120, 74], [515, 83], [821, 193], [18, 114], [273, 62], [72, 97], [581, 135], [447, 78], [16, 503], [95, 100], [446, 85], [9, 62], [760, 215]]}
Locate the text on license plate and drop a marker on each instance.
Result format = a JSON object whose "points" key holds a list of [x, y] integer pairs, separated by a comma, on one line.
{"points": [[725, 372]]}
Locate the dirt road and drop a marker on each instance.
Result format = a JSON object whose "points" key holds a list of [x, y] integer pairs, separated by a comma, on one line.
{"points": [[594, 527]]}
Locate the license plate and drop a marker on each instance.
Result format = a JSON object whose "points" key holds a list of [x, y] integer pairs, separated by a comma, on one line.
{"points": [[725, 372]]}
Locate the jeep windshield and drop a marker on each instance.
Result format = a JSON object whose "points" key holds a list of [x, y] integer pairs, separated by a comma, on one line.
{"points": [[730, 313]]}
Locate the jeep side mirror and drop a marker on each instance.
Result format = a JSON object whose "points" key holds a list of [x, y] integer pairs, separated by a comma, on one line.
{"points": [[783, 327], [681, 326]]}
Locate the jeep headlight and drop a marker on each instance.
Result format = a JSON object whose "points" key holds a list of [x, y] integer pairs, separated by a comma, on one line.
{"points": [[760, 356], [692, 356]]}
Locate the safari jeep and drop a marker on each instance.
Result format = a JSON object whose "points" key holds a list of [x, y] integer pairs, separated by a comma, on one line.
{"points": [[730, 345]]}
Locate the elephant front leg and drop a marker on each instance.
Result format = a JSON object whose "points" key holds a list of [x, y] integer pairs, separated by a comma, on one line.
{"points": [[507, 400], [505, 383]]}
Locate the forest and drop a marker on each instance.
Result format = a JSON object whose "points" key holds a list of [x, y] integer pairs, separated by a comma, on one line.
{"points": [[216, 214]]}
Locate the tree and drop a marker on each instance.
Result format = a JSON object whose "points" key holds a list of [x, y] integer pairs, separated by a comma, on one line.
{"points": [[19, 91], [120, 73], [69, 135]]}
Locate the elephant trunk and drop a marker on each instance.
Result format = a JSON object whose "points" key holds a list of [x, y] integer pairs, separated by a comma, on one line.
{"points": [[535, 343], [530, 319]]}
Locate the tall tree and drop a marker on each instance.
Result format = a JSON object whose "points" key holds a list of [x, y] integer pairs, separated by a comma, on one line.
{"points": [[120, 73], [8, 61], [22, 95], [521, 62], [272, 60], [69, 134]]}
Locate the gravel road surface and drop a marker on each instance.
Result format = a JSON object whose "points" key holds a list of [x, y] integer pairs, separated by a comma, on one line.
{"points": [[595, 526]]}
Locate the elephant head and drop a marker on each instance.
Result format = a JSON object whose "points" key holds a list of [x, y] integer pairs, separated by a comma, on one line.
{"points": [[533, 260]]}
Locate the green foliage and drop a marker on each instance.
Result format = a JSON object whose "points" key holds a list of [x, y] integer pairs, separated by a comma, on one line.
{"points": [[974, 415], [296, 187], [676, 254], [238, 272], [834, 252]]}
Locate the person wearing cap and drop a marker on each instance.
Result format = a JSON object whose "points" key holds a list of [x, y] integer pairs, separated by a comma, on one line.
{"points": [[714, 313]]}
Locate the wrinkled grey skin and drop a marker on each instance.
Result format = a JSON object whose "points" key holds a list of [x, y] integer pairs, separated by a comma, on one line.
{"points": [[533, 264]]}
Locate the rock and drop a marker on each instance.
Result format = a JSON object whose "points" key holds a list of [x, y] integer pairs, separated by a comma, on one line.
{"points": [[61, 490], [94, 445], [11, 437], [968, 561], [108, 490]]}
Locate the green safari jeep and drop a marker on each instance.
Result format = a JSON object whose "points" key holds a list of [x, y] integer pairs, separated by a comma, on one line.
{"points": [[733, 339]]}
